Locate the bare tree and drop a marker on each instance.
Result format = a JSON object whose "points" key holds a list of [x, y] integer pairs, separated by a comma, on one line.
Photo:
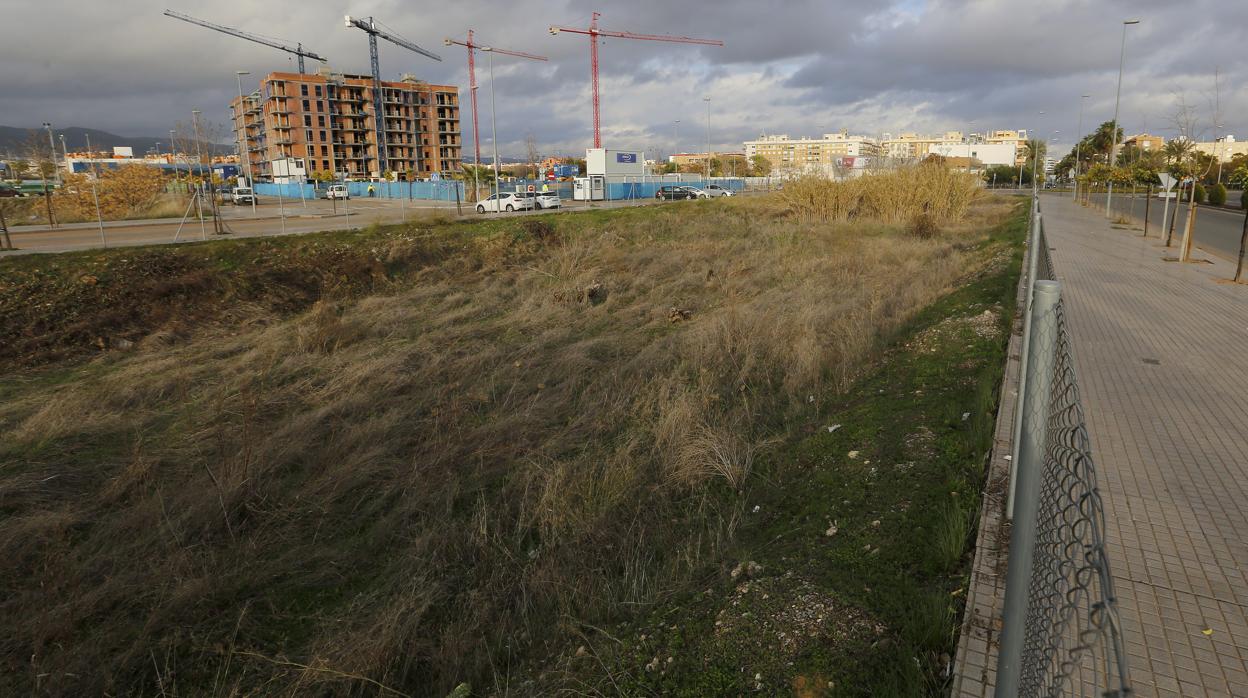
{"points": [[530, 145], [39, 151], [1186, 121]]}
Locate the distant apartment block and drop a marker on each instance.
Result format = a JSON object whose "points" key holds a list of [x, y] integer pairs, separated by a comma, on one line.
{"points": [[831, 154], [1144, 142], [1224, 148], [326, 122], [687, 159], [1003, 147]]}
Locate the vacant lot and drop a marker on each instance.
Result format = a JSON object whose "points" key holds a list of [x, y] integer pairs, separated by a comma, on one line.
{"points": [[527, 455]]}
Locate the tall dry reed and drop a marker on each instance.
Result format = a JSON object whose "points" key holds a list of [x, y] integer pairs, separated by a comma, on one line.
{"points": [[896, 196]]}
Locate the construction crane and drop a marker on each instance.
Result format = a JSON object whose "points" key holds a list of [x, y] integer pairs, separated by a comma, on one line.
{"points": [[472, 79], [369, 26], [297, 50], [593, 32]]}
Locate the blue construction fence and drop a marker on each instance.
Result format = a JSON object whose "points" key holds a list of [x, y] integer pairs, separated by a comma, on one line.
{"points": [[631, 188], [436, 191]]}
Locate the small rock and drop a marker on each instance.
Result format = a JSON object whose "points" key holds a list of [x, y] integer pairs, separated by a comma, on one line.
{"points": [[966, 416], [123, 343], [581, 651], [757, 508], [832, 529], [853, 454], [833, 428], [875, 524]]}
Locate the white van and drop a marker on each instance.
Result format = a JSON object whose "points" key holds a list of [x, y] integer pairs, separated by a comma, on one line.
{"points": [[337, 191]]}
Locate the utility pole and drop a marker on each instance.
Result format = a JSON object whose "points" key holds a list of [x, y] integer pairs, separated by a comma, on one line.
{"points": [[1113, 148]]}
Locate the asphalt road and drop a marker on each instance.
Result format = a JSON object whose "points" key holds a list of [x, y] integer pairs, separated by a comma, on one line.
{"points": [[301, 217], [1217, 230]]}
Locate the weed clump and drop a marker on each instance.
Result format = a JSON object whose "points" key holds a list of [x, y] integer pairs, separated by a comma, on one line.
{"points": [[923, 227]]}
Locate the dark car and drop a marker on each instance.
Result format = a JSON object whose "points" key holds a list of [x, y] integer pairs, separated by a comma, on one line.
{"points": [[7, 191], [675, 193]]}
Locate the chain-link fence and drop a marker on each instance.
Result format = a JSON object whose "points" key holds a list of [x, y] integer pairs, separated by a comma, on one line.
{"points": [[1061, 632]]}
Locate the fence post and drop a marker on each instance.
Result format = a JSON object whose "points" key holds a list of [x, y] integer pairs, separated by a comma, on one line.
{"points": [[1030, 473], [1033, 254]]}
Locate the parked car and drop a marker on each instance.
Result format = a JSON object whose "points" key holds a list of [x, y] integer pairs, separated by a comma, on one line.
{"points": [[673, 193], [242, 195], [7, 191], [505, 201], [544, 199], [715, 191], [337, 191]]}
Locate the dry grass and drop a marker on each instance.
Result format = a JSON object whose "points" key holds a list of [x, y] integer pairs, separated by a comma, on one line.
{"points": [[898, 196], [411, 490]]}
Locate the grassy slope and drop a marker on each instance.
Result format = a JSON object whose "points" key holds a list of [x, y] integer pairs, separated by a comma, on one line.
{"points": [[873, 608], [335, 492]]}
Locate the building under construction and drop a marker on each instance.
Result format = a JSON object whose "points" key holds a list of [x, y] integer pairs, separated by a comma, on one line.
{"points": [[295, 126]]}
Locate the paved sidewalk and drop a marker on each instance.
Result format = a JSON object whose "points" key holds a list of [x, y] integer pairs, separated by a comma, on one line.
{"points": [[1161, 351]]}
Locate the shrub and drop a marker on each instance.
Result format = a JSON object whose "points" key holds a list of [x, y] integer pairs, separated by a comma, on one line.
{"points": [[1217, 195], [1201, 195]]}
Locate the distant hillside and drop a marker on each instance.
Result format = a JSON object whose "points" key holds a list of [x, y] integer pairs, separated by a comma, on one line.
{"points": [[14, 140]]}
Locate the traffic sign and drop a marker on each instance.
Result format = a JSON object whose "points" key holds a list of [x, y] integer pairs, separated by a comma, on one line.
{"points": [[532, 188], [1167, 180]]}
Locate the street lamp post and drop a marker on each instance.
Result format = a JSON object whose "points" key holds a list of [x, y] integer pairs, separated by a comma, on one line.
{"points": [[95, 194], [1078, 143], [493, 127], [1122, 52], [244, 157], [708, 137], [1035, 159], [676, 142]]}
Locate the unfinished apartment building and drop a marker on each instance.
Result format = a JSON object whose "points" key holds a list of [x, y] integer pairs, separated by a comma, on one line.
{"points": [[298, 125]]}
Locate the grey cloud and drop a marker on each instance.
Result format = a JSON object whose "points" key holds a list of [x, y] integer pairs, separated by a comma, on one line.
{"points": [[803, 66]]}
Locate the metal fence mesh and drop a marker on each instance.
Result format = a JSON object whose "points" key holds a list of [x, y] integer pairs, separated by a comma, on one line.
{"points": [[1073, 643]]}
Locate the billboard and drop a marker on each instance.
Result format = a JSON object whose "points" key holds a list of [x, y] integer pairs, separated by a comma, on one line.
{"points": [[122, 151], [629, 158]]}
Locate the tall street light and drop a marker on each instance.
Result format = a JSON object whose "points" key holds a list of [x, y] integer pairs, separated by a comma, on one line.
{"points": [[1122, 52], [244, 156], [708, 137], [1035, 158], [676, 142], [1079, 135], [493, 128]]}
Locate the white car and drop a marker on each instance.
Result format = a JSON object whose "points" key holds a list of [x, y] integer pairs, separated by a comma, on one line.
{"points": [[337, 191], [714, 190], [242, 195], [697, 193], [505, 201], [544, 199]]}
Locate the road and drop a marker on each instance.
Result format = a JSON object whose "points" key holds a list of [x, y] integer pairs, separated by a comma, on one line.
{"points": [[1217, 230], [301, 217]]}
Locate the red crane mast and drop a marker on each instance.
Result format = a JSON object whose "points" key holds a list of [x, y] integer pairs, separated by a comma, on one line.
{"points": [[473, 47], [593, 32]]}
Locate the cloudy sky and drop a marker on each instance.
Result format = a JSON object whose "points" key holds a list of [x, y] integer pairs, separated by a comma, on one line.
{"points": [[801, 67]]}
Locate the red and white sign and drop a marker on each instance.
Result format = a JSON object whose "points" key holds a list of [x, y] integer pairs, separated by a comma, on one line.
{"points": [[532, 188]]}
